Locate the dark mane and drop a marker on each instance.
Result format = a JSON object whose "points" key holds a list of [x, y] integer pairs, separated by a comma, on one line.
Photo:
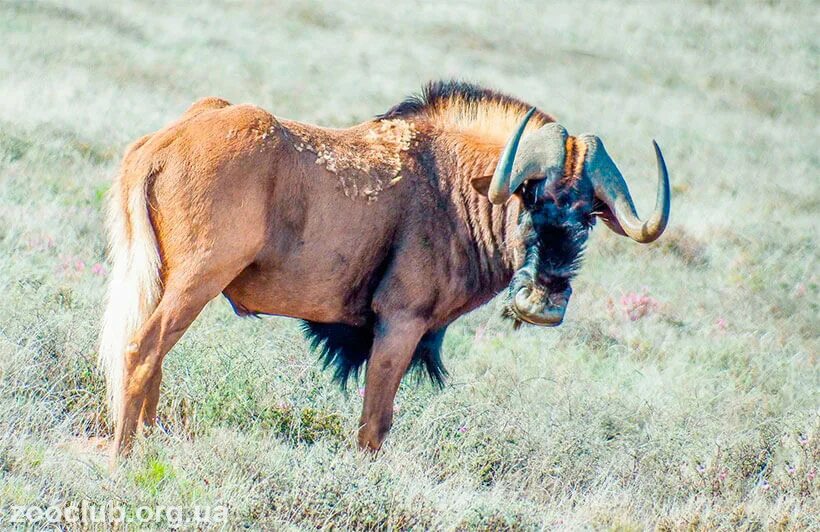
{"points": [[347, 349], [436, 95]]}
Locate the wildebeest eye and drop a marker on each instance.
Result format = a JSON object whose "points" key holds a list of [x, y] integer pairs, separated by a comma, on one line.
{"points": [[532, 192]]}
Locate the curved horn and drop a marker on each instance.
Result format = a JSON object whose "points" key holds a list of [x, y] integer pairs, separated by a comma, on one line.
{"points": [[499, 190], [611, 188]]}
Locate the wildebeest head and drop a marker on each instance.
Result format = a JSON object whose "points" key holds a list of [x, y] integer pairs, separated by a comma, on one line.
{"points": [[564, 183]]}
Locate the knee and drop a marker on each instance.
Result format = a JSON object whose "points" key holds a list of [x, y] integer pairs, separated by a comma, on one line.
{"points": [[132, 356], [138, 356], [140, 369]]}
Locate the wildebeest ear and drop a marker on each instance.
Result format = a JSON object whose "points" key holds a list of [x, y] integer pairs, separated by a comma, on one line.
{"points": [[481, 184]]}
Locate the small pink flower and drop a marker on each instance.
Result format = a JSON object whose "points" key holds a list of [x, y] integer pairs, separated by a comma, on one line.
{"points": [[799, 290], [700, 468], [790, 469], [361, 392], [98, 269], [721, 324], [765, 485], [812, 474], [723, 474], [638, 305], [479, 333], [70, 264], [396, 409], [802, 439], [462, 429]]}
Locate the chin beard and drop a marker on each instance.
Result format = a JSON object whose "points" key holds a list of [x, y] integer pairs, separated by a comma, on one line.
{"points": [[507, 312]]}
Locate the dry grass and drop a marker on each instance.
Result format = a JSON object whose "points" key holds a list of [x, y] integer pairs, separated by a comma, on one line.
{"points": [[702, 412]]}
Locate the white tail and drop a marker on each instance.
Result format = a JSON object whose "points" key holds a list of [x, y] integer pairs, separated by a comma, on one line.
{"points": [[134, 287]]}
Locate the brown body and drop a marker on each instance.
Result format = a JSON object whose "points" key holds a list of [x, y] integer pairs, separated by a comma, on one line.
{"points": [[308, 234], [332, 252], [384, 227], [375, 222]]}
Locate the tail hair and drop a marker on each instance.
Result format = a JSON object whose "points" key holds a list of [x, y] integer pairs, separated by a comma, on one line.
{"points": [[134, 286]]}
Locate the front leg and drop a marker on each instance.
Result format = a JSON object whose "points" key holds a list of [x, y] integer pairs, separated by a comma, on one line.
{"points": [[395, 342]]}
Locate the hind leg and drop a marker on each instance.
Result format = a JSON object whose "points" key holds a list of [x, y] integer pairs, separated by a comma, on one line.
{"points": [[180, 304]]}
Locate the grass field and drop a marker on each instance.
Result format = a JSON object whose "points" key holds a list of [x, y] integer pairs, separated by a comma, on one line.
{"points": [[682, 391]]}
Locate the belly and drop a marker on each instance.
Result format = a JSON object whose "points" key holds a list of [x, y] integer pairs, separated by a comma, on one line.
{"points": [[312, 290]]}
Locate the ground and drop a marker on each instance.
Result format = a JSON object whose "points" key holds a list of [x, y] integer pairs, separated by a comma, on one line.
{"points": [[682, 391]]}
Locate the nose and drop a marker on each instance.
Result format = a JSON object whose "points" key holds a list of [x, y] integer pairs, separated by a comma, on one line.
{"points": [[538, 309]]}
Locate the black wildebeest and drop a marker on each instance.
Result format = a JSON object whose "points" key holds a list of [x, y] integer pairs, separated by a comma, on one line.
{"points": [[378, 235]]}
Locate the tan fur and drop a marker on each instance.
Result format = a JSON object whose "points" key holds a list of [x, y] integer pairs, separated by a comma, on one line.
{"points": [[269, 213], [367, 158], [487, 122], [574, 161]]}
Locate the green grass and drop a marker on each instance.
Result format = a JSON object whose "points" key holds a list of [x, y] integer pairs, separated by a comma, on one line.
{"points": [[702, 413]]}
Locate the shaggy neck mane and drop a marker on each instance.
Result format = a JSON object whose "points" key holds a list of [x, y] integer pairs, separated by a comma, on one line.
{"points": [[472, 124], [467, 110]]}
